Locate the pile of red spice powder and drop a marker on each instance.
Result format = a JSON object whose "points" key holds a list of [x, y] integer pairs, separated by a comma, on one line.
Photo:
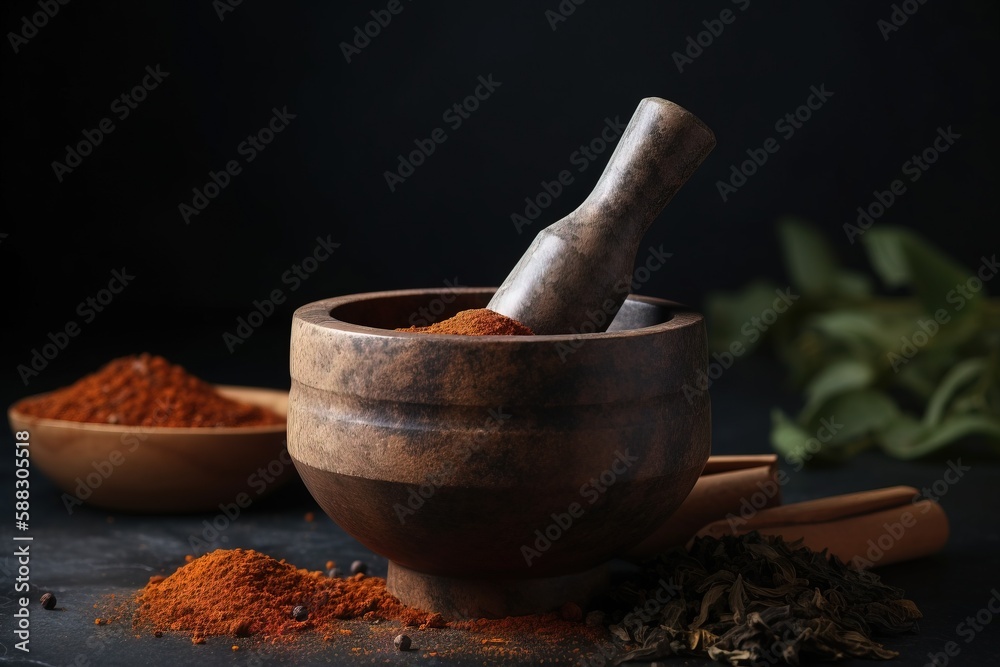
{"points": [[476, 322], [146, 390], [242, 593]]}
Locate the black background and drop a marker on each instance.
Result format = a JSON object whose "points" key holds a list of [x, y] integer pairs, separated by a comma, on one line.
{"points": [[452, 218], [323, 176]]}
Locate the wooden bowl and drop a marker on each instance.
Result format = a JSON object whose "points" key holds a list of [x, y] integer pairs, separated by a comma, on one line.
{"points": [[457, 456], [160, 469]]}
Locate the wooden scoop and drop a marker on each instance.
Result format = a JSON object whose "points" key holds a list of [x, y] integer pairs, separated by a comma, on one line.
{"points": [[577, 272]]}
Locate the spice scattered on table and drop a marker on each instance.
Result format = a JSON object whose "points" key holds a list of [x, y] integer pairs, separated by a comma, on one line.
{"points": [[475, 322], [48, 601], [737, 600], [522, 639], [146, 390], [571, 612], [239, 593]]}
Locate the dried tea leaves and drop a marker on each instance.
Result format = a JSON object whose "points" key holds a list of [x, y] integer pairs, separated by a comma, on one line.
{"points": [[741, 600]]}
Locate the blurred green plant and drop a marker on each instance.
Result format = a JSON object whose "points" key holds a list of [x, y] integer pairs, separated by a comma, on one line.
{"points": [[909, 374]]}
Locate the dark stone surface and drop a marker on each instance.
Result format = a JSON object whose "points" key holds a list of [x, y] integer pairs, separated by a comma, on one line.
{"points": [[90, 554]]}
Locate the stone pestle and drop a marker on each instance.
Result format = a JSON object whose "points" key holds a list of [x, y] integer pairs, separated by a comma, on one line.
{"points": [[577, 272]]}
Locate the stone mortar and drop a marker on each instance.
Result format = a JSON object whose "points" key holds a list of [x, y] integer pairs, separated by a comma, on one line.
{"points": [[459, 458]]}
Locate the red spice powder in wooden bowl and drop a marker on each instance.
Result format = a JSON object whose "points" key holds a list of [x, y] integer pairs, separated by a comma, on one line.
{"points": [[146, 390]]}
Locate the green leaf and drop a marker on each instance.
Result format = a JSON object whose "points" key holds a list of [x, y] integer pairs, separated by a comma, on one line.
{"points": [[899, 436], [885, 252], [851, 284], [857, 330], [939, 348], [838, 377], [787, 437], [728, 314], [947, 432], [811, 264], [902, 258], [843, 426], [960, 375], [915, 378], [853, 416]]}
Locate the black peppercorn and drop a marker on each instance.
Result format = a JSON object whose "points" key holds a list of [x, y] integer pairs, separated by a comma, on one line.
{"points": [[359, 566], [334, 573], [48, 601], [300, 613], [402, 642]]}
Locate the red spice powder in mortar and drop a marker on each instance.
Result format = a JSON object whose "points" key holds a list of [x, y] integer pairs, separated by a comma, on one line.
{"points": [[146, 390], [476, 322]]}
